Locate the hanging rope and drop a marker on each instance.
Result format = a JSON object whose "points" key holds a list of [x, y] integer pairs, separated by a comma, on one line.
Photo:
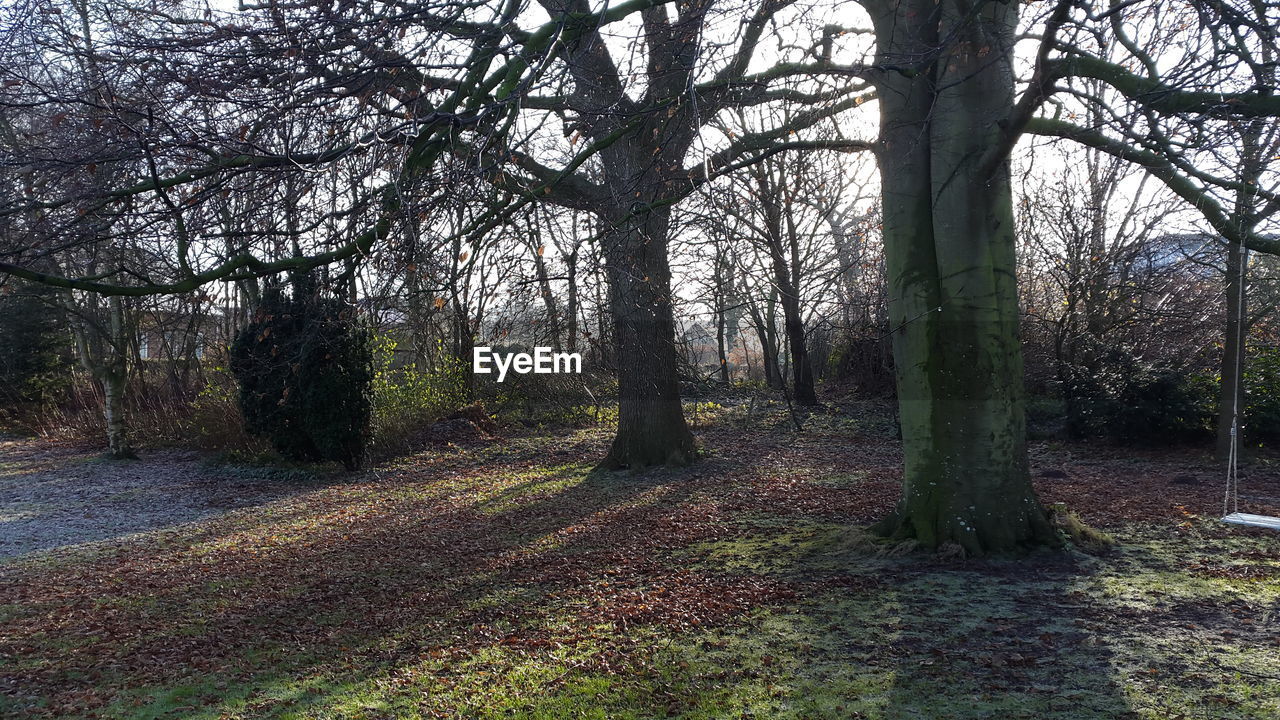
{"points": [[1231, 500]]}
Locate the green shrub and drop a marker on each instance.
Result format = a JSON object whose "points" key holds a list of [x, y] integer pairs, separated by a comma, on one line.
{"points": [[1262, 395], [305, 366], [1162, 406], [551, 398], [214, 421], [1133, 403], [407, 399]]}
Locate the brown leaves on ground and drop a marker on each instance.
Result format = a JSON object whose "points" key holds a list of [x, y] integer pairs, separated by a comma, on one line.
{"points": [[452, 551]]}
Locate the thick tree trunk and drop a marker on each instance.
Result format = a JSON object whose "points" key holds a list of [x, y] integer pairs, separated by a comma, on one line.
{"points": [[651, 424], [1231, 392], [1230, 396], [641, 173], [949, 245]]}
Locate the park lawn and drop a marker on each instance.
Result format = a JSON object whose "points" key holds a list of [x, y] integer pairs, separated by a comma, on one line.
{"points": [[509, 579]]}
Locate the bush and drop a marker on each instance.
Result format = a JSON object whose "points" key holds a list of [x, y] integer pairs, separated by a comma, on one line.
{"points": [[553, 398], [1163, 406], [1136, 404], [407, 399], [865, 360], [214, 421], [1262, 395], [304, 366]]}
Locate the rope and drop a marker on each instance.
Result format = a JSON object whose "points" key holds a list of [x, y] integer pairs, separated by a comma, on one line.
{"points": [[1231, 501]]}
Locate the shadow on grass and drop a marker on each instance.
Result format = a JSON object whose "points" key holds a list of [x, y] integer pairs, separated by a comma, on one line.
{"points": [[310, 602], [466, 588], [1045, 636], [875, 636]]}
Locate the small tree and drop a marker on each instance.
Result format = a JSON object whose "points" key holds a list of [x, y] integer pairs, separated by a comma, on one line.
{"points": [[304, 365]]}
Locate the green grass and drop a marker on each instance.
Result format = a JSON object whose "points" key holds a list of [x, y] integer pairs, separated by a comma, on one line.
{"points": [[478, 584]]}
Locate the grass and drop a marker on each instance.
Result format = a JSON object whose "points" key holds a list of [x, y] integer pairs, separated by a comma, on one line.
{"points": [[512, 580]]}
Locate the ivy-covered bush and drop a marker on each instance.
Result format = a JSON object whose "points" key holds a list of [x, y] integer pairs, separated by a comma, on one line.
{"points": [[1262, 395], [304, 366], [1133, 403]]}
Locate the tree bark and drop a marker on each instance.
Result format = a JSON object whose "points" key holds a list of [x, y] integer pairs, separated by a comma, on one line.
{"points": [[571, 309], [949, 246], [651, 424], [1231, 400], [1230, 395]]}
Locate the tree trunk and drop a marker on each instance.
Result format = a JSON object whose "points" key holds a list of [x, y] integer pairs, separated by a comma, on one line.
{"points": [[784, 256], [548, 295], [949, 246], [1231, 393], [1230, 396], [722, 354], [113, 384], [768, 356], [723, 283], [651, 424], [102, 352], [763, 323], [571, 310], [793, 323], [464, 342], [603, 343]]}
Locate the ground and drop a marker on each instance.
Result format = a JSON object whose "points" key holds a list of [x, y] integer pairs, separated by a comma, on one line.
{"points": [[58, 495], [506, 578]]}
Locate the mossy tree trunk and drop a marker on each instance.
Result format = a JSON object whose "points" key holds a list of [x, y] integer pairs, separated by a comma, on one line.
{"points": [[949, 245]]}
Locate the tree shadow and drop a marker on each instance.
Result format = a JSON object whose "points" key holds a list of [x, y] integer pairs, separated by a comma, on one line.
{"points": [[499, 584], [876, 636], [341, 583]]}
